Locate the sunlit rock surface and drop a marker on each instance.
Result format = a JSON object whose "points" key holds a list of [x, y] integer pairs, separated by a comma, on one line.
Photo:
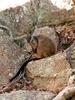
{"points": [[50, 73], [27, 95]]}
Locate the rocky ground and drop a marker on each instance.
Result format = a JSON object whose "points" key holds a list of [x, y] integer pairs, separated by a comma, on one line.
{"points": [[49, 75], [27, 95]]}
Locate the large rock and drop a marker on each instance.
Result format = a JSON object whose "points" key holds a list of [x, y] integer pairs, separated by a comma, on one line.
{"points": [[43, 12], [11, 57], [27, 95], [17, 20], [50, 73], [23, 19]]}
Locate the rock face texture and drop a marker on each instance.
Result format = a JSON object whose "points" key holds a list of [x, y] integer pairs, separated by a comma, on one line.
{"points": [[11, 57], [27, 95], [24, 19], [51, 73]]}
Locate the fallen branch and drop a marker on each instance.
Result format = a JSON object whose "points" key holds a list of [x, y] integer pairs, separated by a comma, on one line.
{"points": [[65, 94]]}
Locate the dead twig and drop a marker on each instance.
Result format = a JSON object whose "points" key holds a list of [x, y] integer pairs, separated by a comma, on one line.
{"points": [[66, 93]]}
